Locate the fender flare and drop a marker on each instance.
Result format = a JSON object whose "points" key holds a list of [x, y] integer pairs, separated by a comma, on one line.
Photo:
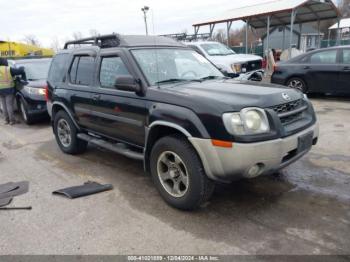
{"points": [[65, 108]]}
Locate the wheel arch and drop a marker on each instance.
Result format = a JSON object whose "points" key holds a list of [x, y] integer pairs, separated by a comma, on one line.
{"points": [[157, 130], [57, 106]]}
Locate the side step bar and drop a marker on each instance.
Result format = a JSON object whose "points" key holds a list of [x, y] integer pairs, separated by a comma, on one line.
{"points": [[118, 148]]}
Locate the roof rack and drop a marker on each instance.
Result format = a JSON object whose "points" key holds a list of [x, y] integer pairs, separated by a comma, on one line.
{"points": [[188, 38], [102, 41]]}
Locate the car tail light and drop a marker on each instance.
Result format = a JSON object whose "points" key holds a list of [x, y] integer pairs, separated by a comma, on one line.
{"points": [[47, 93], [275, 68]]}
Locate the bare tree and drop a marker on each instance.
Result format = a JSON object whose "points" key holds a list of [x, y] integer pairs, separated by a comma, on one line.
{"points": [[344, 7], [220, 36], [77, 35], [93, 32], [31, 40], [56, 44]]}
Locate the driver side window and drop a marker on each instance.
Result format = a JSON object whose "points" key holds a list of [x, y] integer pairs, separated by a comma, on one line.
{"points": [[111, 68]]}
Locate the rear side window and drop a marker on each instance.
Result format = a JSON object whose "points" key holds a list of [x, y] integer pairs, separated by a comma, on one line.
{"points": [[346, 56], [82, 70], [325, 57], [85, 70], [58, 68], [111, 68]]}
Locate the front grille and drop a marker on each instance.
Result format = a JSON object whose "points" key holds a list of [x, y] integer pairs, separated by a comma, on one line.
{"points": [[284, 108], [252, 65], [290, 112]]}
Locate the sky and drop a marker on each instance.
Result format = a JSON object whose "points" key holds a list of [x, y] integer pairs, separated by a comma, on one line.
{"points": [[59, 19], [50, 19]]}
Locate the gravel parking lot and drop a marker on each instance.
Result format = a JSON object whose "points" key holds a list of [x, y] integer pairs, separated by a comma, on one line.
{"points": [[303, 210]]}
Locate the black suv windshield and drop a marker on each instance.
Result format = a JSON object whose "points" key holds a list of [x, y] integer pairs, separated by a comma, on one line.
{"points": [[165, 65], [36, 70], [213, 49]]}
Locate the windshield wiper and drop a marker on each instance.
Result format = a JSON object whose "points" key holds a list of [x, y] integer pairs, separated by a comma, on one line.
{"points": [[171, 80], [210, 78]]}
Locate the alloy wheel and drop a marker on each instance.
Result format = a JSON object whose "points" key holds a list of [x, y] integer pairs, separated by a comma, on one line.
{"points": [[64, 132], [297, 84], [172, 174]]}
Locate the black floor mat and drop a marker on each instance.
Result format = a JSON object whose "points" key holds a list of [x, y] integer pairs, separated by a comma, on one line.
{"points": [[10, 190], [86, 189], [5, 201], [4, 188]]}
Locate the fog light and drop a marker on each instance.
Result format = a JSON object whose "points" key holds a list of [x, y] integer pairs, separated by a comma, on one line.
{"points": [[255, 170]]}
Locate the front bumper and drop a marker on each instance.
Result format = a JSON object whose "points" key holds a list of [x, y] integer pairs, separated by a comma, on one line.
{"points": [[228, 164]]}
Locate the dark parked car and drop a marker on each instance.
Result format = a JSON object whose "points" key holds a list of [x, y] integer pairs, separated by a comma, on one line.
{"points": [[320, 71], [30, 96], [156, 100]]}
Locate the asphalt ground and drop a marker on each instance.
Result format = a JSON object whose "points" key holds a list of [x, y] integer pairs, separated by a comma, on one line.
{"points": [[303, 210]]}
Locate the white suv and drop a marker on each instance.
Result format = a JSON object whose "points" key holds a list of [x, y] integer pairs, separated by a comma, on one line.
{"points": [[226, 59]]}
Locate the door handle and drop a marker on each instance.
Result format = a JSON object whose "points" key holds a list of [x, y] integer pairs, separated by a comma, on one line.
{"points": [[96, 97], [307, 67]]}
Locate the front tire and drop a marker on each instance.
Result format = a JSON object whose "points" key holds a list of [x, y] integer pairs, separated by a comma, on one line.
{"points": [[27, 118], [178, 173], [66, 134], [297, 83]]}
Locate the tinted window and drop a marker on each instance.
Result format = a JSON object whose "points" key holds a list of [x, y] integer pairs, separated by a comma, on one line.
{"points": [[111, 67], [36, 70], [346, 56], [85, 70], [326, 57], [73, 70], [57, 69], [217, 49]]}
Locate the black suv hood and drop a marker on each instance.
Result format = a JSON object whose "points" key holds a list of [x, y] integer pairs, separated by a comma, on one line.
{"points": [[37, 83], [227, 95]]}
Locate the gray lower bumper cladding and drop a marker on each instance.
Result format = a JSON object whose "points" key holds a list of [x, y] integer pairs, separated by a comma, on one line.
{"points": [[86, 189]]}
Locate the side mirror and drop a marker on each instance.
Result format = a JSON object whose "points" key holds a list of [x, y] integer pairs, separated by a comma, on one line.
{"points": [[127, 83]]}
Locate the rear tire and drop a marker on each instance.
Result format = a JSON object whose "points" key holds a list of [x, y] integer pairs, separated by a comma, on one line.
{"points": [[66, 134], [297, 83], [178, 173]]}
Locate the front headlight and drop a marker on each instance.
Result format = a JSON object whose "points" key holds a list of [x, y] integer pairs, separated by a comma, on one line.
{"points": [[34, 90], [237, 68], [249, 121]]}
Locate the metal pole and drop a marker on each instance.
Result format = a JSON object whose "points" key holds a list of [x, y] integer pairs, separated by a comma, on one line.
{"points": [[291, 33], [145, 16], [211, 28], [228, 27], [329, 35], [246, 36], [318, 34], [284, 38], [267, 43], [338, 32], [144, 10], [300, 35]]}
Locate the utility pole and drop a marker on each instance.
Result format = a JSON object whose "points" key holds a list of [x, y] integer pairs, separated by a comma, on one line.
{"points": [[144, 10]]}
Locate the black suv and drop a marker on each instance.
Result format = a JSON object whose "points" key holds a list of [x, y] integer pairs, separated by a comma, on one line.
{"points": [[156, 100], [30, 95]]}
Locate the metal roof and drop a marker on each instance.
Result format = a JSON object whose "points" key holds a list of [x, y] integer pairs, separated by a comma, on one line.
{"points": [[344, 23], [279, 12]]}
